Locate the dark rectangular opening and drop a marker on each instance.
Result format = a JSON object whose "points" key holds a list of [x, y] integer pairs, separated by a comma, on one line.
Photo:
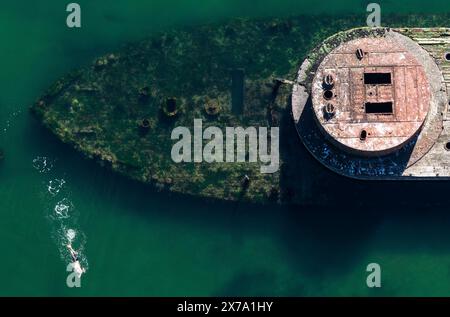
{"points": [[379, 107], [237, 91], [377, 78]]}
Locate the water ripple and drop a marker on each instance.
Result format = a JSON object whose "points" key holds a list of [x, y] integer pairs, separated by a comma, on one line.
{"points": [[54, 186], [42, 164], [63, 209], [61, 212]]}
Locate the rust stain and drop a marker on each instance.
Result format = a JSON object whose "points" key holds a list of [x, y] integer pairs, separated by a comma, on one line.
{"points": [[371, 96]]}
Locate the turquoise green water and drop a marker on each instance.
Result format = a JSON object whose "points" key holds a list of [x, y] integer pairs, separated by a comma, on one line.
{"points": [[136, 242]]}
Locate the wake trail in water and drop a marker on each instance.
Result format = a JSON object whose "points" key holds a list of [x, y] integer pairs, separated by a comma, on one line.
{"points": [[9, 121], [61, 212]]}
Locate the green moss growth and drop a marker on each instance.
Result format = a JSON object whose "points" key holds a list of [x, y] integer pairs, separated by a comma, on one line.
{"points": [[97, 109]]}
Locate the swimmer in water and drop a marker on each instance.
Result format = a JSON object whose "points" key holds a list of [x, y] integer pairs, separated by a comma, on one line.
{"points": [[76, 262]]}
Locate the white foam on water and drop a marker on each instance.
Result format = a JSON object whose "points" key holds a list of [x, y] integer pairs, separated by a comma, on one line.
{"points": [[65, 235], [61, 213], [55, 186], [63, 209], [71, 234], [42, 164]]}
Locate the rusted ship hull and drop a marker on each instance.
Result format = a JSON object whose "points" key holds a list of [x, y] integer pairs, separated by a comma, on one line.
{"points": [[121, 111], [423, 154]]}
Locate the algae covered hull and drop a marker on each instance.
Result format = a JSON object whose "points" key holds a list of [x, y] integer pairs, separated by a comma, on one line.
{"points": [[122, 109]]}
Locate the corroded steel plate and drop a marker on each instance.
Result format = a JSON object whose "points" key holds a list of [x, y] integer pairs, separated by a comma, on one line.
{"points": [[371, 96]]}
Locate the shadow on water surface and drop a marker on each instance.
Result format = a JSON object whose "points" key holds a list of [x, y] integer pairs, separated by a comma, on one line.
{"points": [[317, 241], [359, 218]]}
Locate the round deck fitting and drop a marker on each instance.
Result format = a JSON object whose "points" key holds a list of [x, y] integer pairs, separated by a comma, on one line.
{"points": [[381, 96]]}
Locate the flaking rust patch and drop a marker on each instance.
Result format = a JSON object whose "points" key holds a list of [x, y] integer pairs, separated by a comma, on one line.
{"points": [[370, 96]]}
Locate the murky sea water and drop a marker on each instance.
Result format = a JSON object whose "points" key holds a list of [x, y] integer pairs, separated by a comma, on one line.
{"points": [[136, 242]]}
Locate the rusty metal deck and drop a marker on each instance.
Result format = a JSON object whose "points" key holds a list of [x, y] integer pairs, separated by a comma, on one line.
{"points": [[379, 101]]}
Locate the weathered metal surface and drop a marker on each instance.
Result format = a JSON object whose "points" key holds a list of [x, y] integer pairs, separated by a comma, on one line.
{"points": [[387, 79], [121, 110], [416, 123]]}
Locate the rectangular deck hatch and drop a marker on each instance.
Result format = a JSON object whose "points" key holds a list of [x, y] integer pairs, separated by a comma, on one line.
{"points": [[379, 107], [377, 78]]}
